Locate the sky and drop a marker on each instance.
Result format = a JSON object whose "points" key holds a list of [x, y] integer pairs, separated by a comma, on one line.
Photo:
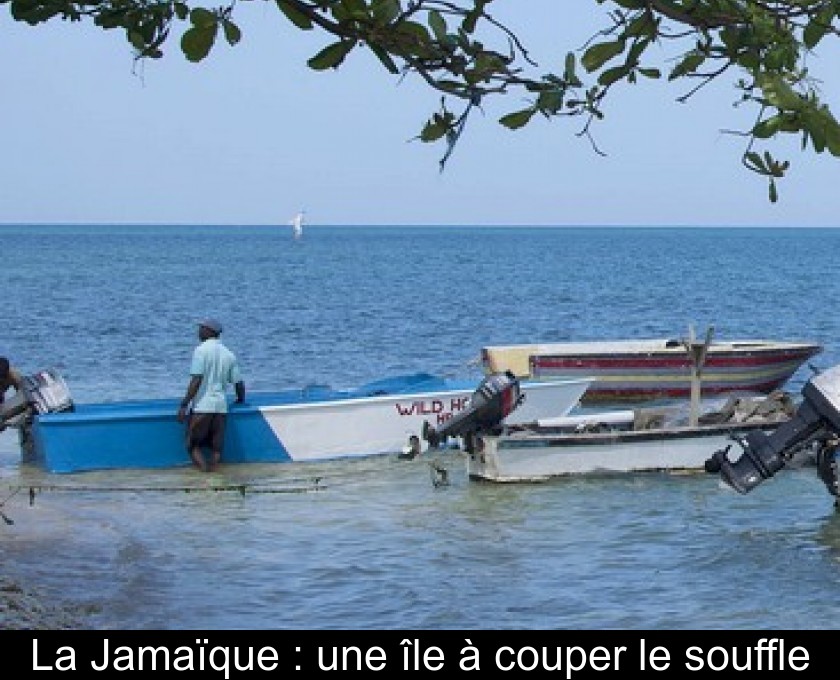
{"points": [[251, 135]]}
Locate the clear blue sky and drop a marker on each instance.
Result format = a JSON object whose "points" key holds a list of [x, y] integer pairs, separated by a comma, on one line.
{"points": [[251, 134]]}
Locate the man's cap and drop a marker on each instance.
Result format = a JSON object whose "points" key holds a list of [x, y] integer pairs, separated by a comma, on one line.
{"points": [[211, 324]]}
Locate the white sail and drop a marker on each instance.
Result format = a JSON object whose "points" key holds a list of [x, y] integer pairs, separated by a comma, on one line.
{"points": [[297, 224]]}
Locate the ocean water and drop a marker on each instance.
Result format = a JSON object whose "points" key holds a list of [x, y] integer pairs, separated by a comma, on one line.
{"points": [[375, 543]]}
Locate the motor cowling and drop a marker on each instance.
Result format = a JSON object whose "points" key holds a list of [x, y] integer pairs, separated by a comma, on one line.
{"points": [[43, 392], [816, 421], [494, 399], [48, 392]]}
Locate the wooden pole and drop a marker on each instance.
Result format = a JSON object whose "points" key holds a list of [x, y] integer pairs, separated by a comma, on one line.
{"points": [[697, 355]]}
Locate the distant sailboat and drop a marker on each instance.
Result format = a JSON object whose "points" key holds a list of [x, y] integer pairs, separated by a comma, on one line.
{"points": [[297, 225]]}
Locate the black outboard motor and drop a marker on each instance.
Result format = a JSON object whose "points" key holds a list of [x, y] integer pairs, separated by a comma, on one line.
{"points": [[493, 400], [816, 421]]}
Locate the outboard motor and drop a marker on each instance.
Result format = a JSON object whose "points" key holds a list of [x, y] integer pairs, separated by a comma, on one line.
{"points": [[43, 392], [816, 421], [493, 400], [47, 392]]}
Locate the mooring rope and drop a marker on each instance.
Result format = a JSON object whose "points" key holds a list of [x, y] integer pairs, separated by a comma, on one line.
{"points": [[8, 520], [242, 488], [294, 485]]}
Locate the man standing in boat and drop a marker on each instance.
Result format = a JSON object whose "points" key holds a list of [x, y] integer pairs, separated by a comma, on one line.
{"points": [[212, 369]]}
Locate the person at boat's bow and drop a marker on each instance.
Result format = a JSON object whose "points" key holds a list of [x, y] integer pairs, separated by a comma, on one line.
{"points": [[10, 378], [212, 369]]}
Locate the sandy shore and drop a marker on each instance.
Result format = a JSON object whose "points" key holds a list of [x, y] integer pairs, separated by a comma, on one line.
{"points": [[25, 609]]}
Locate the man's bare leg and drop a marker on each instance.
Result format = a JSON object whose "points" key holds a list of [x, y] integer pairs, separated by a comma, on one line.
{"points": [[198, 458]]}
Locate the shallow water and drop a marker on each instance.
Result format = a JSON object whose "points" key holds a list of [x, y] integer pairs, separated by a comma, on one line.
{"points": [[375, 543]]}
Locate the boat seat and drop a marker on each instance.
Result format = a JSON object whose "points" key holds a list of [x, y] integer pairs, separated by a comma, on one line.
{"points": [[589, 422], [648, 419]]}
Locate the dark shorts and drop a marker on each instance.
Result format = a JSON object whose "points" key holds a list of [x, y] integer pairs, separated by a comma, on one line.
{"points": [[206, 430]]}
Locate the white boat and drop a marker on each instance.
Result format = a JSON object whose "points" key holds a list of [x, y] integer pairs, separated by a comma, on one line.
{"points": [[297, 225], [657, 368], [316, 423], [635, 440]]}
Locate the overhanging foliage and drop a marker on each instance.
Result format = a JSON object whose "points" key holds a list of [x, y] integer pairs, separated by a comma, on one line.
{"points": [[460, 50]]}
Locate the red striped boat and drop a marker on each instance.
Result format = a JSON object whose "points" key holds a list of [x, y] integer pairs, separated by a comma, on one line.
{"points": [[639, 370]]}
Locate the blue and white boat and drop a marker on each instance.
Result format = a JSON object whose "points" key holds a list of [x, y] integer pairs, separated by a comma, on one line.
{"points": [[315, 423]]}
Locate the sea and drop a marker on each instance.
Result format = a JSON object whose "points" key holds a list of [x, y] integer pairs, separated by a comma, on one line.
{"points": [[380, 543]]}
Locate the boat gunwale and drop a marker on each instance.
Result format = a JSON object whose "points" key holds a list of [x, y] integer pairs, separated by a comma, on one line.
{"points": [[414, 396], [155, 409], [595, 473], [525, 439], [642, 346]]}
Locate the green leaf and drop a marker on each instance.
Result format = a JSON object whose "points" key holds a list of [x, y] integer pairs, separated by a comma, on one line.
{"points": [[517, 119], [340, 13], [202, 18], [433, 131], [32, 12], [412, 29], [813, 33], [688, 65], [300, 20], [643, 24], [355, 6], [438, 24], [569, 67], [331, 56], [774, 194], [232, 33], [650, 72], [779, 93], [767, 128], [385, 58], [768, 161], [453, 86], [136, 40], [731, 37], [471, 19], [611, 75], [597, 55], [749, 59], [112, 19], [385, 11], [756, 162], [196, 42], [817, 138], [636, 50], [823, 130], [832, 139], [550, 101]]}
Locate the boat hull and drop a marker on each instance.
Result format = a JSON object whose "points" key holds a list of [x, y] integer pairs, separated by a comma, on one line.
{"points": [[655, 369], [535, 457], [294, 425]]}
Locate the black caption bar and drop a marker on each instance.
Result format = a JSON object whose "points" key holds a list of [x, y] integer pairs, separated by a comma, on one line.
{"points": [[567, 654]]}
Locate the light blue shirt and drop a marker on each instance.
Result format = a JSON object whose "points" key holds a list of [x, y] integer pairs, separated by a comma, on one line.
{"points": [[218, 368]]}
